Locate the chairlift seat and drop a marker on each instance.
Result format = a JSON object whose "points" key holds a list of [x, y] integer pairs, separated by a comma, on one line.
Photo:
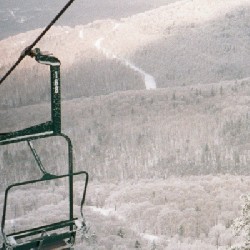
{"points": [[43, 237], [59, 235]]}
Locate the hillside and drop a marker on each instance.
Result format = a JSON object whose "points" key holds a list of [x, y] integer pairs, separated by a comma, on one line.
{"points": [[187, 42], [203, 129], [157, 107], [193, 212], [183, 43]]}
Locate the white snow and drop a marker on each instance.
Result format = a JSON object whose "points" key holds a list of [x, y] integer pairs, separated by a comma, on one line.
{"points": [[22, 19], [81, 34], [116, 26], [107, 212], [12, 241], [150, 237], [102, 211], [98, 43], [12, 13], [149, 80]]}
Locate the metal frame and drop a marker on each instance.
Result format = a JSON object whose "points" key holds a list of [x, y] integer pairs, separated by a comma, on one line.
{"points": [[41, 234], [48, 129]]}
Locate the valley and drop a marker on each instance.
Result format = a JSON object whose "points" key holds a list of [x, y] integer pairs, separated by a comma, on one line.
{"points": [[155, 97]]}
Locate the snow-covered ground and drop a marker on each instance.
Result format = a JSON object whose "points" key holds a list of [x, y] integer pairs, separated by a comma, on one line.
{"points": [[194, 129], [193, 212], [149, 80]]}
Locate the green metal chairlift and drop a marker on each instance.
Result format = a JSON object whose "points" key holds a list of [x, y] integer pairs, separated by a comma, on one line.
{"points": [[62, 234]]}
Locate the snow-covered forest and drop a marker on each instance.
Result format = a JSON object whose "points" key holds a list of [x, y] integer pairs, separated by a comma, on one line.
{"points": [[168, 164], [191, 212], [186, 130]]}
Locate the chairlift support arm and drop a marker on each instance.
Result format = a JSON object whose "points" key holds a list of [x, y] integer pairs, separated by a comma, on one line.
{"points": [[50, 127]]}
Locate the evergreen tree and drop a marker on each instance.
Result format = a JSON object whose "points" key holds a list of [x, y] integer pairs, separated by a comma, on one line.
{"points": [[173, 96], [181, 231], [212, 92], [241, 225], [221, 90], [121, 233], [137, 244], [153, 247]]}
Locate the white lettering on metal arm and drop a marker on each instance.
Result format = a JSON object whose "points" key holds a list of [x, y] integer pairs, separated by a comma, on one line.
{"points": [[56, 83]]}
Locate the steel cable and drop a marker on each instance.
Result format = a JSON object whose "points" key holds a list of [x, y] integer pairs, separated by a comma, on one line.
{"points": [[27, 50]]}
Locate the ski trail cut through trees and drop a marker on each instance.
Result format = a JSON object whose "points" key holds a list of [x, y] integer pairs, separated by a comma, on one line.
{"points": [[81, 34], [149, 80], [112, 212]]}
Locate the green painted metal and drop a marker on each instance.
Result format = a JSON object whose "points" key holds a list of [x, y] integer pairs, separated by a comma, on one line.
{"points": [[54, 64], [37, 232], [23, 135], [37, 158], [48, 129]]}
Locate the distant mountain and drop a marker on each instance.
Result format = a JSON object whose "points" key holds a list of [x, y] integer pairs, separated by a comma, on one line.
{"points": [[20, 16], [183, 43], [187, 42], [192, 123]]}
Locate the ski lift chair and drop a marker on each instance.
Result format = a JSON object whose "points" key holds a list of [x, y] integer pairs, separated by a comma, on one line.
{"points": [[62, 234]]}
